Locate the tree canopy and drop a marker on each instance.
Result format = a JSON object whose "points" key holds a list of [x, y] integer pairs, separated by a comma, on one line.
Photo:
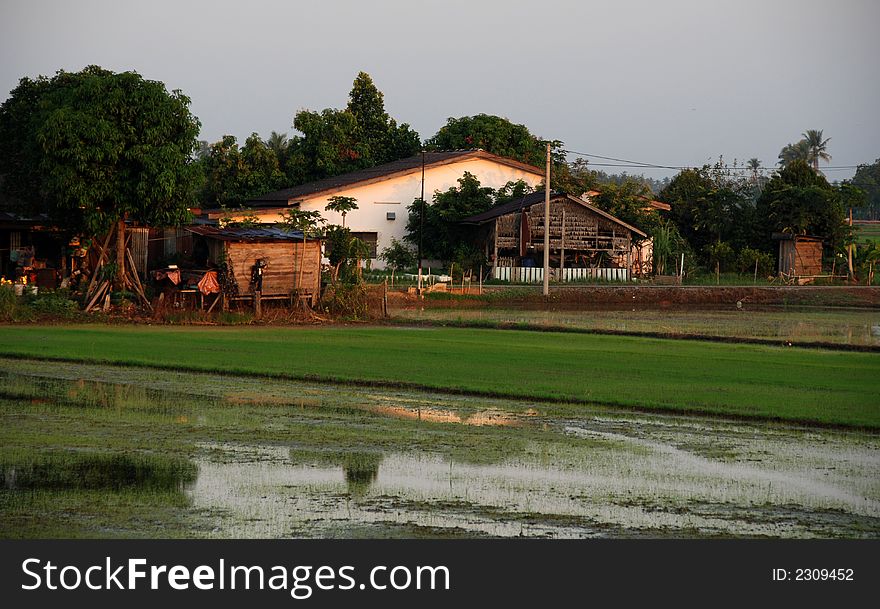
{"points": [[234, 175], [362, 135], [799, 200], [94, 147], [496, 135], [867, 179]]}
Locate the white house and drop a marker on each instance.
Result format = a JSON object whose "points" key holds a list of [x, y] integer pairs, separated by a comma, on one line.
{"points": [[384, 192]]}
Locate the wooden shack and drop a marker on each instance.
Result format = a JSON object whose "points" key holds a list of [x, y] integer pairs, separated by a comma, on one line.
{"points": [[290, 267], [585, 241], [799, 255]]}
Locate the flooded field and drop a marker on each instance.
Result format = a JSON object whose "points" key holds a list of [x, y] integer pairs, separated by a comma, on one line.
{"points": [[100, 451], [843, 326]]}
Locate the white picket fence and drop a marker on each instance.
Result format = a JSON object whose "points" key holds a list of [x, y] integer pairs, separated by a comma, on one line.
{"points": [[525, 274]]}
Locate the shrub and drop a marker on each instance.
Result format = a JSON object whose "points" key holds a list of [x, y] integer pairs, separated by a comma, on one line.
{"points": [[8, 303], [52, 304], [745, 262]]}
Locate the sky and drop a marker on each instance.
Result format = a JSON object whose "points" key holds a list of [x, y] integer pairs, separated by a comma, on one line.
{"points": [[673, 82]]}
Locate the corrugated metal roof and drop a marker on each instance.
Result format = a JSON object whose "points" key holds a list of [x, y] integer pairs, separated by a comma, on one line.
{"points": [[261, 233]]}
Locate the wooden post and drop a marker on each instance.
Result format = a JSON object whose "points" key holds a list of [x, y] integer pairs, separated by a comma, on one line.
{"points": [[385, 299], [562, 248], [547, 225], [258, 305], [629, 261], [756, 272], [481, 279], [120, 253], [495, 239], [224, 302]]}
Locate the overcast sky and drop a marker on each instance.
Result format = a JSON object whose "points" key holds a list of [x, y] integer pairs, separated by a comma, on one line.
{"points": [[666, 82]]}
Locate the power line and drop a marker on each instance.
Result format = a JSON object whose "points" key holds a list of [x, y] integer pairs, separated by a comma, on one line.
{"points": [[627, 163]]}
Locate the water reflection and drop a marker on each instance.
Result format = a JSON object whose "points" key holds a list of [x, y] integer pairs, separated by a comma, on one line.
{"points": [[360, 469]]}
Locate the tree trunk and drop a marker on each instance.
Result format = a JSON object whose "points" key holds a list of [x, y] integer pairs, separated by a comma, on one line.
{"points": [[120, 254]]}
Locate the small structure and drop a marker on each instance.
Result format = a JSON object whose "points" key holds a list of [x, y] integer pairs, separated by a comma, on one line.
{"points": [[800, 256], [262, 263], [585, 242]]}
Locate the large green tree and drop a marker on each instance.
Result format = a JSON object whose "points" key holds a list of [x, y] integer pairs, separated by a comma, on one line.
{"points": [[709, 205], [867, 179], [444, 238], [338, 141], [233, 175], [94, 147], [496, 135], [799, 200]]}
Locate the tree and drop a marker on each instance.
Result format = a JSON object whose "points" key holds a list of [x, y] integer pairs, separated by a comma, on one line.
{"points": [[94, 148], [817, 146], [711, 204], [233, 175], [341, 205], [339, 141], [443, 235], [399, 255], [795, 152], [799, 200], [867, 179], [629, 202], [496, 135]]}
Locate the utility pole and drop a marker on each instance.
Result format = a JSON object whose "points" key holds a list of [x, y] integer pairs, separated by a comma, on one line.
{"points": [[421, 223], [547, 226]]}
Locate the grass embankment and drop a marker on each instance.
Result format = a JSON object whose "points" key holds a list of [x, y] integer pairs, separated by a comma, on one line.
{"points": [[831, 388]]}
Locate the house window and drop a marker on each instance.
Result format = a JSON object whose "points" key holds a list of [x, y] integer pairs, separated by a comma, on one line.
{"points": [[372, 241]]}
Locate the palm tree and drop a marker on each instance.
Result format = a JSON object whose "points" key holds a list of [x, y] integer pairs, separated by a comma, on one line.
{"points": [[755, 165], [795, 152], [278, 143], [817, 146]]}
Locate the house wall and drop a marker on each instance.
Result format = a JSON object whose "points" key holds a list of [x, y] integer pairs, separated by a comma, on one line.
{"points": [[800, 258], [396, 194]]}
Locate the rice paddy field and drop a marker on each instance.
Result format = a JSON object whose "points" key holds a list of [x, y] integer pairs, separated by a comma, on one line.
{"points": [[353, 431], [738, 380], [867, 231], [93, 450], [796, 325]]}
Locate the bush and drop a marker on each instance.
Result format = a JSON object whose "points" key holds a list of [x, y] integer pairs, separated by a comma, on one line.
{"points": [[745, 262], [52, 304], [719, 255], [8, 303], [346, 300]]}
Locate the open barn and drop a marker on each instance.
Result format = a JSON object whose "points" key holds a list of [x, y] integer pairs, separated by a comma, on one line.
{"points": [[585, 241], [275, 263]]}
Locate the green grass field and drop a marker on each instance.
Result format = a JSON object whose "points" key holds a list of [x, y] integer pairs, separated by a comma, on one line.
{"points": [[827, 387], [867, 232]]}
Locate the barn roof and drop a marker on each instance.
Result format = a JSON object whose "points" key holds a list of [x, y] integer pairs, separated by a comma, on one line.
{"points": [[251, 234], [538, 197], [362, 177]]}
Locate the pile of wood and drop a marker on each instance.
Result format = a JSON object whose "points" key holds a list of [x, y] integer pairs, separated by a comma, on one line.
{"points": [[98, 291]]}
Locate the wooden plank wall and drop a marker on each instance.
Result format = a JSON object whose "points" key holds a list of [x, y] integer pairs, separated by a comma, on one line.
{"points": [[281, 276]]}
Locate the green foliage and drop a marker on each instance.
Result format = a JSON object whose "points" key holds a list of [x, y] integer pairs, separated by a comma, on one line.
{"points": [[790, 153], [713, 204], [344, 253], [867, 180], [341, 205], [629, 202], [233, 175], [810, 149], [94, 146], [442, 232], [668, 246], [339, 141], [719, 255], [398, 255], [346, 299], [306, 222], [496, 135], [55, 304], [799, 200], [748, 257], [8, 303]]}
